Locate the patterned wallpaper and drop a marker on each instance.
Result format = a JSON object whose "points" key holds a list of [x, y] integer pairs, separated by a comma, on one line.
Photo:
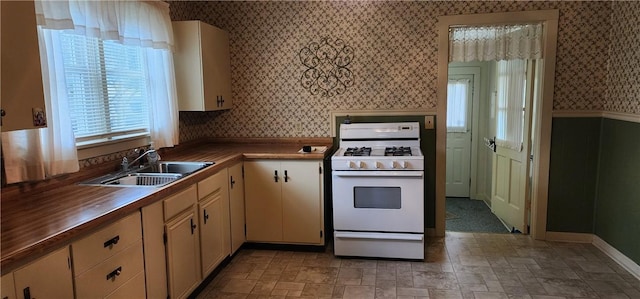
{"points": [[394, 59], [623, 83]]}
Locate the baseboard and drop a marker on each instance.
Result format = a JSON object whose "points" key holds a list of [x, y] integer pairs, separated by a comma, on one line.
{"points": [[607, 249], [569, 237], [617, 256]]}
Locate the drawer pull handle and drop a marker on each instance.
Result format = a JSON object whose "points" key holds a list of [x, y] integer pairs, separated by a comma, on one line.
{"points": [[114, 273], [112, 241], [27, 293]]}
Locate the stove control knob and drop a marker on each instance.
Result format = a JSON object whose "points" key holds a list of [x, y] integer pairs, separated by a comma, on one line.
{"points": [[404, 164], [378, 165], [393, 164], [360, 164], [350, 164]]}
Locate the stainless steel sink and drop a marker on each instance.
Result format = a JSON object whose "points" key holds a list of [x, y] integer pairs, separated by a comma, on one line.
{"points": [[184, 168], [143, 179], [158, 175]]}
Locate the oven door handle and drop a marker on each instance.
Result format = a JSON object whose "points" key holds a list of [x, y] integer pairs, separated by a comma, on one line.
{"points": [[391, 174], [379, 236]]}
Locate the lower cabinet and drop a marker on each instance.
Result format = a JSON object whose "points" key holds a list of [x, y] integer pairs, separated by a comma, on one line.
{"points": [[186, 236], [7, 286], [107, 262], [213, 196], [47, 277], [236, 206], [182, 243], [284, 201]]}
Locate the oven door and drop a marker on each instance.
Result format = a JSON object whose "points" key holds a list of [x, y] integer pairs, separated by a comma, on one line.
{"points": [[378, 201]]}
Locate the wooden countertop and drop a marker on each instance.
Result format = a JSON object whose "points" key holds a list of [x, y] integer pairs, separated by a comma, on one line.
{"points": [[36, 222]]}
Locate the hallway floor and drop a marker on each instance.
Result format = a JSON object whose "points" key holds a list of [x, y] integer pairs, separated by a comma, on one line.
{"points": [[461, 265]]}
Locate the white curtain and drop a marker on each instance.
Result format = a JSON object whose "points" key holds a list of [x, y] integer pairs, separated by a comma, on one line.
{"points": [[163, 121], [38, 154], [488, 43], [510, 99], [140, 23], [457, 105]]}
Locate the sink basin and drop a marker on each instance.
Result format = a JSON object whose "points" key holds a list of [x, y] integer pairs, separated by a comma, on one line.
{"points": [[184, 168], [142, 179], [153, 176]]}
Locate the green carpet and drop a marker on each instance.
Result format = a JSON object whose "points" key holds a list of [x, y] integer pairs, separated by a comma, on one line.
{"points": [[468, 215]]}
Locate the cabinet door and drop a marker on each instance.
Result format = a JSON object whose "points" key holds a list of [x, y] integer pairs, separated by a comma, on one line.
{"points": [[203, 66], [47, 277], [236, 209], [8, 287], [302, 202], [263, 200], [155, 262], [183, 254], [21, 70], [216, 67], [212, 232]]}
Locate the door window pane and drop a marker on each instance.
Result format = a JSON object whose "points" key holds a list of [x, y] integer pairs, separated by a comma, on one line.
{"points": [[458, 93]]}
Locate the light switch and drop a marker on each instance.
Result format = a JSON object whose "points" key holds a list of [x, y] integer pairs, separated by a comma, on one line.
{"points": [[429, 122]]}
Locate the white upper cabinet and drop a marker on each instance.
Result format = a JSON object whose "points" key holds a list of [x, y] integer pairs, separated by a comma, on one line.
{"points": [[203, 66], [22, 96]]}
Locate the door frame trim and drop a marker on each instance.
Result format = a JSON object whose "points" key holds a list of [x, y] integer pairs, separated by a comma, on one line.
{"points": [[542, 132]]}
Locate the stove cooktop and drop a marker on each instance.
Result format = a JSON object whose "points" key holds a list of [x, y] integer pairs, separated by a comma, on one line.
{"points": [[387, 151]]}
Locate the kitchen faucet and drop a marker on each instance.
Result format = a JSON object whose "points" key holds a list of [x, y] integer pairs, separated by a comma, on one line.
{"points": [[151, 154]]}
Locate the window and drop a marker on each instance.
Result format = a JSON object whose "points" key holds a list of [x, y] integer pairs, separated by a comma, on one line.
{"points": [[458, 94], [106, 85], [510, 103]]}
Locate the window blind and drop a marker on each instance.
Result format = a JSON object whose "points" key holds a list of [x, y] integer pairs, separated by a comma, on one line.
{"points": [[106, 86]]}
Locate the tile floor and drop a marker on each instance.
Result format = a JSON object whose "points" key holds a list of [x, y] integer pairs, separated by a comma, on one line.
{"points": [[460, 265]]}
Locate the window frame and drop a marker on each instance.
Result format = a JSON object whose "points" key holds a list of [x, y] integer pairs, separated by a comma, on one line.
{"points": [[113, 141]]}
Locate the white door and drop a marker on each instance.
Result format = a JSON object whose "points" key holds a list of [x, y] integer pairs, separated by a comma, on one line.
{"points": [[510, 184], [459, 111]]}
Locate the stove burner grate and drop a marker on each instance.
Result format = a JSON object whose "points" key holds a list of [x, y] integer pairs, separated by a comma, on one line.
{"points": [[355, 151], [397, 151]]}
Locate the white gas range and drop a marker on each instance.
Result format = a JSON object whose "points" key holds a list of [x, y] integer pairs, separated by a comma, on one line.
{"points": [[378, 191]]}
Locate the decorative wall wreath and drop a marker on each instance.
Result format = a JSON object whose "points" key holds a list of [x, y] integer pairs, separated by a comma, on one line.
{"points": [[326, 64]]}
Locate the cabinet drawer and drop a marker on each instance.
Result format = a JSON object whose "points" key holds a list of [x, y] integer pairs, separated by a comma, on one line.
{"points": [[109, 275], [108, 241], [134, 288], [180, 202], [216, 182]]}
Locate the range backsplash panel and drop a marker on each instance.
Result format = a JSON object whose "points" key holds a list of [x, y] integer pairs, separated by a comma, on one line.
{"points": [[396, 65]]}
